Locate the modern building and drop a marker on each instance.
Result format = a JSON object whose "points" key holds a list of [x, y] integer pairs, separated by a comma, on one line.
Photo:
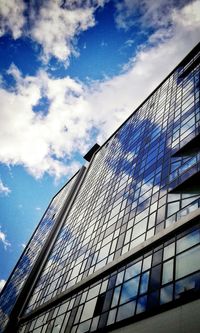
{"points": [[118, 248]]}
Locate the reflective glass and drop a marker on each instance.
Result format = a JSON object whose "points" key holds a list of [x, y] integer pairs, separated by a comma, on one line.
{"points": [[141, 304], [173, 208], [166, 294], [169, 251], [111, 316], [154, 282], [133, 270], [88, 309], [116, 296], [139, 228], [94, 324], [187, 262], [187, 284], [93, 292], [129, 290], [126, 311], [188, 241], [84, 327], [146, 263], [144, 282], [167, 274], [120, 277]]}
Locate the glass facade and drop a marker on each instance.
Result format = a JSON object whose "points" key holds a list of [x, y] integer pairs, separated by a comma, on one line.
{"points": [[30, 254], [162, 275], [138, 184]]}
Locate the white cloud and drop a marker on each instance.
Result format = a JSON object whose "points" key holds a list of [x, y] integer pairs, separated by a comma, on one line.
{"points": [[11, 17], [3, 239], [56, 26], [39, 142], [145, 13], [4, 189], [46, 141], [2, 284]]}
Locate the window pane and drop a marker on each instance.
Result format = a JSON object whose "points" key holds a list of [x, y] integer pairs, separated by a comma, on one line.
{"points": [[88, 309], [111, 317], [129, 290], [153, 299], [120, 277], [84, 327], [188, 241], [94, 324], [169, 251], [93, 292], [146, 263], [144, 282], [167, 271], [157, 257], [126, 311], [187, 284], [187, 262], [104, 252], [166, 294], [155, 277], [133, 270], [173, 208], [141, 304], [139, 228], [116, 296]]}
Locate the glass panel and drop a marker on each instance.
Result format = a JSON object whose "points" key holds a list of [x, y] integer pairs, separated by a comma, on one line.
{"points": [[103, 320], [141, 304], [88, 309], [173, 208], [186, 285], [94, 324], [152, 220], [129, 290], [167, 274], [93, 292], [146, 263], [157, 257], [153, 299], [107, 301], [169, 251], [144, 282], [133, 270], [38, 330], [126, 311], [139, 228], [188, 241], [84, 327], [166, 294], [187, 262], [119, 278], [104, 252], [116, 296], [155, 277], [111, 316], [104, 286]]}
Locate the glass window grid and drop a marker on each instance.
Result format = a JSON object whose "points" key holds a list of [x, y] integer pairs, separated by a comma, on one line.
{"points": [[120, 165], [108, 291], [26, 262]]}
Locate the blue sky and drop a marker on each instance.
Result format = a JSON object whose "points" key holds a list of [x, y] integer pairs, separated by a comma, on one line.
{"points": [[70, 73]]}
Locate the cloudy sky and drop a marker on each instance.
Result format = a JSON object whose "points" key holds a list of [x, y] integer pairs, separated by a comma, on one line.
{"points": [[71, 72]]}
